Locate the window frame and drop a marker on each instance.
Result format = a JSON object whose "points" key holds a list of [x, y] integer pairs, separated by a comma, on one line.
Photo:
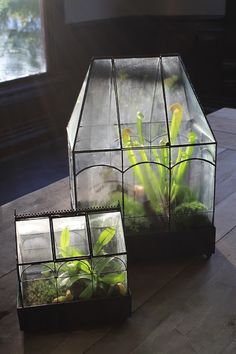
{"points": [[52, 17]]}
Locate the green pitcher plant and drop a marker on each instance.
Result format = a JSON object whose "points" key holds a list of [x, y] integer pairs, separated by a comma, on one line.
{"points": [[155, 181]]}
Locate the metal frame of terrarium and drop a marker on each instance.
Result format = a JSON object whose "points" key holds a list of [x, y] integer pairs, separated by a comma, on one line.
{"points": [[66, 311], [75, 126]]}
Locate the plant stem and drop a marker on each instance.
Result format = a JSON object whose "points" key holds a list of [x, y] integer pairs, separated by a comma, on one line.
{"points": [[176, 119], [182, 167]]}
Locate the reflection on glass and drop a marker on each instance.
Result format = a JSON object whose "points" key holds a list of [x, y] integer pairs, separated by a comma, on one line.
{"points": [[70, 237], [34, 241], [107, 233]]}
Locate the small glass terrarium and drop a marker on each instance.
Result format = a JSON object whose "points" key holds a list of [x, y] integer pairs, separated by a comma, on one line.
{"points": [[72, 268], [138, 135]]}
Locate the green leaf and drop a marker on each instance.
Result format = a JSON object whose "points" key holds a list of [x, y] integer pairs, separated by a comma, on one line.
{"points": [[66, 250], [74, 252], [102, 264], [111, 264], [113, 278], [64, 240], [139, 123], [76, 266], [69, 281], [106, 235], [85, 266], [87, 292], [104, 238], [95, 280]]}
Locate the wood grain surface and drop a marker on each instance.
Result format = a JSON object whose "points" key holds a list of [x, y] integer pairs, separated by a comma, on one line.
{"points": [[180, 306]]}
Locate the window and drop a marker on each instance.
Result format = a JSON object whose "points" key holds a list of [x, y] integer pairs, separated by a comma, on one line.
{"points": [[22, 47]]}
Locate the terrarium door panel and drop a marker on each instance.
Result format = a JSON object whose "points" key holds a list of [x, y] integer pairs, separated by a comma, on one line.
{"points": [[192, 204], [98, 176], [146, 195]]}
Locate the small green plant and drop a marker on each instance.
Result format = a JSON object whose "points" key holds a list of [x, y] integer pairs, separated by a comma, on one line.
{"points": [[188, 216], [78, 279], [85, 280], [135, 214]]}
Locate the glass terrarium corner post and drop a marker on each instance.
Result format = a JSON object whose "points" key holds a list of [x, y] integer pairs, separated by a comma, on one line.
{"points": [[89, 235], [114, 79], [52, 238], [214, 198], [72, 178], [17, 262]]}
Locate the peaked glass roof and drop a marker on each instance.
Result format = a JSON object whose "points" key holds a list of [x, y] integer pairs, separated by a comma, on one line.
{"points": [[117, 92]]}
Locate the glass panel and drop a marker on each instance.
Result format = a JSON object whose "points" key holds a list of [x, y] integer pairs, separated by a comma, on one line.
{"points": [[96, 185], [184, 113], [192, 194], [111, 273], [38, 284], [181, 153], [70, 236], [153, 155], [109, 158], [99, 125], [34, 240], [21, 39], [146, 197], [75, 280], [140, 100], [208, 152], [97, 137], [198, 121], [71, 177], [74, 120], [107, 233]]}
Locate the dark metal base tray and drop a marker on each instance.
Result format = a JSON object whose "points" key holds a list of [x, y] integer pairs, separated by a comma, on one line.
{"points": [[151, 245], [69, 315]]}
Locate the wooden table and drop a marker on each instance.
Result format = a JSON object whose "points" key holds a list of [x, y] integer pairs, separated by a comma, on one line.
{"points": [[179, 306]]}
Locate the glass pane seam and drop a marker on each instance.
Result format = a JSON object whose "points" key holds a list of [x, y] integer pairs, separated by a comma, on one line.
{"points": [[165, 104]]}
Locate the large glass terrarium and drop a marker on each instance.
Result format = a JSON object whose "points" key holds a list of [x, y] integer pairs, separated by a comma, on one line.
{"points": [[72, 268], [138, 135]]}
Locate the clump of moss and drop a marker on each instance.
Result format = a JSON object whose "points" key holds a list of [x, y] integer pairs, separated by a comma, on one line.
{"points": [[40, 291], [135, 214], [185, 195], [190, 215]]}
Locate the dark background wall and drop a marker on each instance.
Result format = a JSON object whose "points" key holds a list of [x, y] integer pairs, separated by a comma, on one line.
{"points": [[81, 10]]}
